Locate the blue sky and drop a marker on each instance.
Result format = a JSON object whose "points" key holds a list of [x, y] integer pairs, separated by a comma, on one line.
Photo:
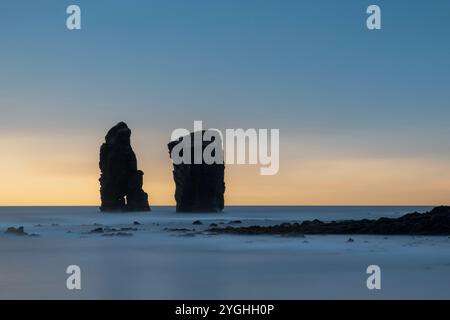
{"points": [[309, 68]]}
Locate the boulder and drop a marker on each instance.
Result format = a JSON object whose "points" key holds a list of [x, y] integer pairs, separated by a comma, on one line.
{"points": [[20, 231]]}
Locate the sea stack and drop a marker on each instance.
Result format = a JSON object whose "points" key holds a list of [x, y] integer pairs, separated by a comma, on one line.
{"points": [[120, 180], [200, 187]]}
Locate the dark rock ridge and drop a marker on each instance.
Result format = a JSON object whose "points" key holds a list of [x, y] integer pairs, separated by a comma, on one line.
{"points": [[120, 180], [199, 187], [435, 222]]}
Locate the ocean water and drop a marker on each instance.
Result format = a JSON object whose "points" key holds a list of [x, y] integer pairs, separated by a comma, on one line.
{"points": [[28, 216], [156, 262]]}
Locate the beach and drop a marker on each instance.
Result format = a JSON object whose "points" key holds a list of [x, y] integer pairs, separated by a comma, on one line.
{"points": [[163, 255]]}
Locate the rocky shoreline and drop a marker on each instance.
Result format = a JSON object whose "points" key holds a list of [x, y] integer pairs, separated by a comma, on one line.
{"points": [[435, 222]]}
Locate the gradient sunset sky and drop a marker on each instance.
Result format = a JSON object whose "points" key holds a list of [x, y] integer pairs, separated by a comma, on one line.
{"points": [[364, 116]]}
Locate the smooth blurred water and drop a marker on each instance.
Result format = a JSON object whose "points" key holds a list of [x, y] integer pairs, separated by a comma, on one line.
{"points": [[157, 263]]}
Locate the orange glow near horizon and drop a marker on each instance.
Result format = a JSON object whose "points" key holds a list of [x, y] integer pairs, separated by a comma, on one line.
{"points": [[32, 175]]}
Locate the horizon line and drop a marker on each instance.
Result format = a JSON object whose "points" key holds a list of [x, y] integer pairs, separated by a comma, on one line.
{"points": [[245, 205]]}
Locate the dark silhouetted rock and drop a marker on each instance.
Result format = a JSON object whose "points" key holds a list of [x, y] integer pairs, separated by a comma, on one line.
{"points": [[97, 230], [120, 180], [20, 231], [199, 187], [118, 234], [197, 222], [435, 222]]}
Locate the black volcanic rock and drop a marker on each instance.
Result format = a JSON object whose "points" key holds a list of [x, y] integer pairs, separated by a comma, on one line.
{"points": [[435, 222], [120, 180], [199, 187], [97, 230], [20, 231]]}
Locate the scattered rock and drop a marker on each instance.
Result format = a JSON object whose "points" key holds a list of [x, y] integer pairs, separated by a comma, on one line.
{"points": [[97, 230], [235, 222], [213, 225], [20, 231], [350, 240], [120, 180], [136, 223], [197, 222]]}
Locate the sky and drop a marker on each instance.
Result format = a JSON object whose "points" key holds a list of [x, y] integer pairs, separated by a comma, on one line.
{"points": [[363, 115]]}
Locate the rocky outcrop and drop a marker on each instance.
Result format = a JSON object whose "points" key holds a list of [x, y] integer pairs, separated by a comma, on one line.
{"points": [[435, 222], [20, 231], [199, 187], [120, 180]]}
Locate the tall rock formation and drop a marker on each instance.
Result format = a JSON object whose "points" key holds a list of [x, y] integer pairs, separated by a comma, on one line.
{"points": [[120, 180], [199, 187]]}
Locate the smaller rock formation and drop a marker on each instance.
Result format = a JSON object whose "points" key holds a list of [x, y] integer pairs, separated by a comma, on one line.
{"points": [[199, 187], [120, 180], [20, 231]]}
